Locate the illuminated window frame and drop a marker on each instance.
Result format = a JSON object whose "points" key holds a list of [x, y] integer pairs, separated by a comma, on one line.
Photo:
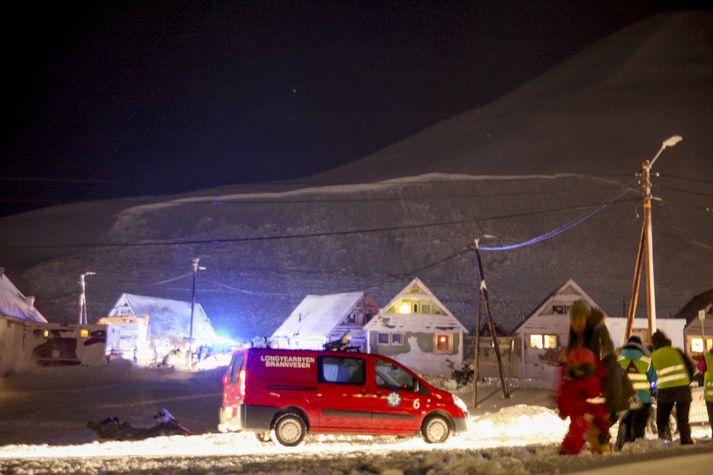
{"points": [[543, 342], [443, 343], [697, 344]]}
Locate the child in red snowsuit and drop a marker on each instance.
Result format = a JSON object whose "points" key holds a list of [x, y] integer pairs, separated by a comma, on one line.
{"points": [[580, 398]]}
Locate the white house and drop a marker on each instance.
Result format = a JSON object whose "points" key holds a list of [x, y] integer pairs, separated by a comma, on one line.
{"points": [[169, 321], [14, 304], [319, 319], [540, 338], [416, 329]]}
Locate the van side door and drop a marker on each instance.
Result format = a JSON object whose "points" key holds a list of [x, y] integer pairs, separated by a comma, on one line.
{"points": [[343, 406], [397, 408]]}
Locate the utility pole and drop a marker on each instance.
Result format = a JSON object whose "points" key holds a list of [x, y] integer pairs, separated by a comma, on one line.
{"points": [[196, 268], [83, 298], [476, 350], [483, 294], [646, 247]]}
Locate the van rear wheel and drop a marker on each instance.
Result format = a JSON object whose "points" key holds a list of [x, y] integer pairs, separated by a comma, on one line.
{"points": [[435, 429], [289, 429]]}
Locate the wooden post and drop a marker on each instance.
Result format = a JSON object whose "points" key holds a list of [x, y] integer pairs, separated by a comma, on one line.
{"points": [[476, 350], [491, 322], [631, 314]]}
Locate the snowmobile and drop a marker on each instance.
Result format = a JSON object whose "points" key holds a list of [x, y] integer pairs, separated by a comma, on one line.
{"points": [[112, 429]]}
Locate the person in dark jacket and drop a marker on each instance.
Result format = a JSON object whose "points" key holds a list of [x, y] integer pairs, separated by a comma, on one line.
{"points": [[674, 371], [636, 362], [587, 330]]}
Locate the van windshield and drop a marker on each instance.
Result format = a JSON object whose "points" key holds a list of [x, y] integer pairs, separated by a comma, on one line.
{"points": [[391, 376]]}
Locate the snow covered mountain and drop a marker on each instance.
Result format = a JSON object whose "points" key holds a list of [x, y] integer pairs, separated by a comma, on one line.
{"points": [[528, 163]]}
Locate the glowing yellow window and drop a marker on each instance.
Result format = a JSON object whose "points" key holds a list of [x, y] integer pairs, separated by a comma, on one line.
{"points": [[697, 344], [84, 333], [543, 341]]}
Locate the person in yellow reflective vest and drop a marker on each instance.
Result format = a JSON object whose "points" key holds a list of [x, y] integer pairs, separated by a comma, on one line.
{"points": [[705, 366], [636, 362], [674, 372]]}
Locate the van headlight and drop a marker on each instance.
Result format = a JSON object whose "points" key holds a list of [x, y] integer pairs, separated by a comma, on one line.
{"points": [[459, 402]]}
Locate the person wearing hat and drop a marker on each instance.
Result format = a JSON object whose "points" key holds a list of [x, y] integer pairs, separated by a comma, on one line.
{"points": [[634, 359], [674, 372], [587, 330], [705, 366]]}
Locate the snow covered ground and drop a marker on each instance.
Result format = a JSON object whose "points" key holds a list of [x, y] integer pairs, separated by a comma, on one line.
{"points": [[44, 415]]}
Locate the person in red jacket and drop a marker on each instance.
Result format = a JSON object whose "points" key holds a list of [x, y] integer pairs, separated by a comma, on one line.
{"points": [[580, 398]]}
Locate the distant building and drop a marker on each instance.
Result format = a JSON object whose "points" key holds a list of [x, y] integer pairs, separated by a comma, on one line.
{"points": [[416, 329], [28, 340], [540, 338], [319, 319], [694, 329], [169, 322]]}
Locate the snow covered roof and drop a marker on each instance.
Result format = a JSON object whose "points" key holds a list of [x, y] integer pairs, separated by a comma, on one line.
{"points": [[568, 288], [13, 303], [414, 322], [318, 315], [166, 317], [439, 320]]}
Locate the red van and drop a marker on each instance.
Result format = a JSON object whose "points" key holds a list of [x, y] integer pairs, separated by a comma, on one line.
{"points": [[283, 394]]}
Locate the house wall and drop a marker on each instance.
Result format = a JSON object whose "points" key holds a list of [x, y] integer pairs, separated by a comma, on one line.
{"points": [[62, 343], [25, 345], [535, 363], [693, 330], [11, 330], [417, 352], [672, 327]]}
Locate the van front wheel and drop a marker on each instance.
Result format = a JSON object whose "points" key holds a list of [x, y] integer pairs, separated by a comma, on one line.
{"points": [[435, 429], [289, 429]]}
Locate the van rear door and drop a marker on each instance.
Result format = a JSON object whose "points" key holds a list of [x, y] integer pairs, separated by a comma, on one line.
{"points": [[234, 380], [344, 402]]}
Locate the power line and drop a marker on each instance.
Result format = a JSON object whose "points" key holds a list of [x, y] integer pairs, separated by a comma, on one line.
{"points": [[560, 229], [690, 192]]}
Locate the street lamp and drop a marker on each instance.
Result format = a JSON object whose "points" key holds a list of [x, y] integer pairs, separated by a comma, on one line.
{"points": [[83, 298], [646, 244]]}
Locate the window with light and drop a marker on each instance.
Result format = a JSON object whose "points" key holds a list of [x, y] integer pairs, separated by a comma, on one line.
{"points": [[444, 343], [697, 344], [542, 342]]}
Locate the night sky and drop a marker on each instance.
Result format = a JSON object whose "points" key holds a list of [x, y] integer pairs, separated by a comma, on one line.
{"points": [[108, 99]]}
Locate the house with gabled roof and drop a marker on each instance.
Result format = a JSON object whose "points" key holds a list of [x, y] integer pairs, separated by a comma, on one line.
{"points": [[14, 304], [416, 329], [540, 338], [169, 321], [319, 319]]}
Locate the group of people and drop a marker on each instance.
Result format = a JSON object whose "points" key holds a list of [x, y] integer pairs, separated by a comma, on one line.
{"points": [[600, 385]]}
